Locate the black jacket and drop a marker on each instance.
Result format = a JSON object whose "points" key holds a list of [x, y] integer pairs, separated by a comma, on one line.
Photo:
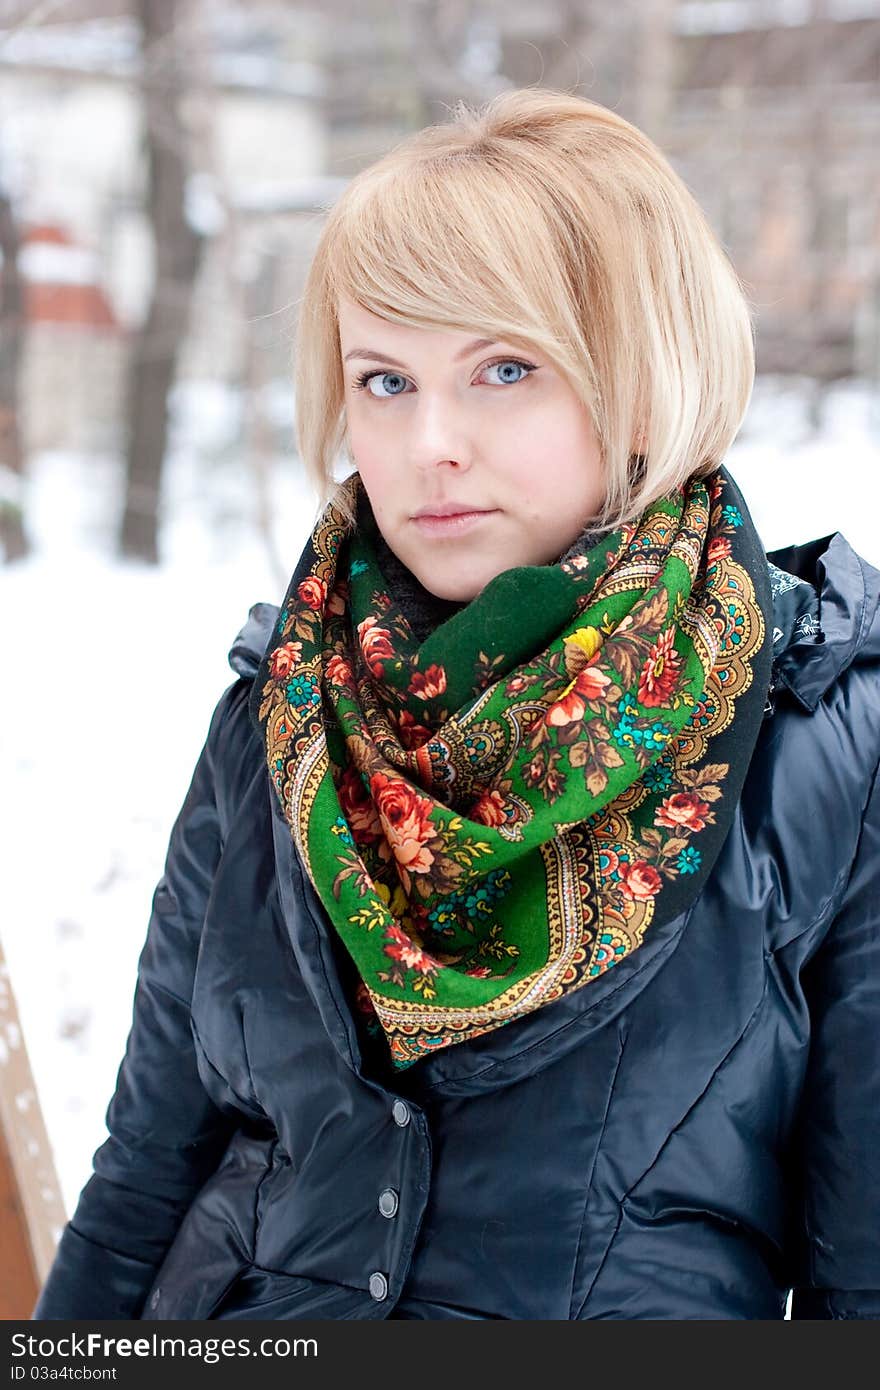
{"points": [[691, 1135]]}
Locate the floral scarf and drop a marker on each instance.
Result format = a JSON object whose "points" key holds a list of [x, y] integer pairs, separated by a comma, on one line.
{"points": [[495, 816]]}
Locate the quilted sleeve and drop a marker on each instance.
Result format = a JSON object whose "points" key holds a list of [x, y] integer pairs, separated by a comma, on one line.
{"points": [[839, 1144], [166, 1136]]}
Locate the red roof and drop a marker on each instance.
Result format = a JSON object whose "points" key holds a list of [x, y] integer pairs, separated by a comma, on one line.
{"points": [[46, 232], [85, 305], [71, 302]]}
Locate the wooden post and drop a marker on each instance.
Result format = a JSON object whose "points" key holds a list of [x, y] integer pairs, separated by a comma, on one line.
{"points": [[32, 1211]]}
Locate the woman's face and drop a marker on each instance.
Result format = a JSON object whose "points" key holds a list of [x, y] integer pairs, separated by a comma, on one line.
{"points": [[438, 421]]}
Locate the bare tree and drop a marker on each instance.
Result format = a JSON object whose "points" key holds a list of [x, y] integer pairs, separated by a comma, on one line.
{"points": [[176, 255], [12, 533], [820, 160]]}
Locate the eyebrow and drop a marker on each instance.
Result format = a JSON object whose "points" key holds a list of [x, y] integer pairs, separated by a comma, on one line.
{"points": [[468, 348]]}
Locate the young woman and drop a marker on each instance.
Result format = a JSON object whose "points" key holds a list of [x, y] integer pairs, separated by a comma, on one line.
{"points": [[517, 950]]}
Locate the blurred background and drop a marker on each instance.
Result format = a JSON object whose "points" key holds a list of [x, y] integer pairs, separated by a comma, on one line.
{"points": [[165, 170]]}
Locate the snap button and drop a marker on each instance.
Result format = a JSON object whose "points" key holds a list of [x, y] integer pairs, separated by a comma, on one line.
{"points": [[400, 1111], [378, 1285], [388, 1202]]}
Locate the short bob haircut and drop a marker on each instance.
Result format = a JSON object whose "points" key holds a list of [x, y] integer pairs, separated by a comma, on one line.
{"points": [[549, 221]]}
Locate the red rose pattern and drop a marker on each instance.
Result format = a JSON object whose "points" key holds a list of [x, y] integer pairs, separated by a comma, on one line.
{"points": [[313, 592], [358, 809], [338, 671], [719, 549], [406, 820], [640, 881], [375, 644], [684, 810], [412, 734], [425, 685], [283, 659], [403, 948]]}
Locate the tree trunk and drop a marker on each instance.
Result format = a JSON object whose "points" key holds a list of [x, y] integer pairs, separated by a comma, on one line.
{"points": [[654, 67], [819, 357], [12, 534], [176, 252]]}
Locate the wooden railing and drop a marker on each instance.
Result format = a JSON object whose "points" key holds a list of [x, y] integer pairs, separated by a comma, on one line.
{"points": [[31, 1207]]}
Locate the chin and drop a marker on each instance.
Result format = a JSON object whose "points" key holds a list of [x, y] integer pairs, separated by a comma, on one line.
{"points": [[451, 587], [452, 591], [457, 579]]}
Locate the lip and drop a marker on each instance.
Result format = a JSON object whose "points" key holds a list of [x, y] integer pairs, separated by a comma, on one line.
{"points": [[449, 519], [446, 509]]}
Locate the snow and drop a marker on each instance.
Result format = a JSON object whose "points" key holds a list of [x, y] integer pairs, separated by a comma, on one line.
{"points": [[203, 207], [113, 670], [94, 777], [799, 485], [56, 265]]}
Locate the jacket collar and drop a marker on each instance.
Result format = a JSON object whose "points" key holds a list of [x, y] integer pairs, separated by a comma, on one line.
{"points": [[845, 597]]}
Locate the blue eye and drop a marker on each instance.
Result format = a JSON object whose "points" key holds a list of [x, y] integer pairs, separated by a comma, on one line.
{"points": [[523, 367], [367, 377], [364, 379]]}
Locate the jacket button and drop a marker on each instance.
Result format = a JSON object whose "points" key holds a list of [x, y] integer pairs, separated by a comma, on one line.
{"points": [[378, 1285], [388, 1202], [400, 1111]]}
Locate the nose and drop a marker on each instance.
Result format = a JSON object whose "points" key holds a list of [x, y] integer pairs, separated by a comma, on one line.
{"points": [[440, 437]]}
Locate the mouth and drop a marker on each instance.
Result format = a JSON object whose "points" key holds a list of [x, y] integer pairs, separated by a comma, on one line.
{"points": [[445, 522]]}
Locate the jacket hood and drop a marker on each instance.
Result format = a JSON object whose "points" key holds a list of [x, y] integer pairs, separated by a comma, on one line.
{"points": [[838, 625], [249, 647], [826, 601]]}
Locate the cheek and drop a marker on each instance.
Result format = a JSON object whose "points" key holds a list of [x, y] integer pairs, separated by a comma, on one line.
{"points": [[557, 456], [373, 461]]}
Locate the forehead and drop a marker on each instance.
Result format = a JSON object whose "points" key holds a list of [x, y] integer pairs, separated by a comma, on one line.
{"points": [[364, 333], [354, 319]]}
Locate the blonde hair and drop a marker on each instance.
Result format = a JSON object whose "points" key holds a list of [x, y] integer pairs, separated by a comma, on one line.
{"points": [[546, 220]]}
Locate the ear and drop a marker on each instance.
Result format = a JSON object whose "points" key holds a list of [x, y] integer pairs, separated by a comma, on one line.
{"points": [[638, 458], [637, 465]]}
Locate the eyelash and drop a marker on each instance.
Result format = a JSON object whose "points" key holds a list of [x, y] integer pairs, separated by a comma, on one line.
{"points": [[361, 380]]}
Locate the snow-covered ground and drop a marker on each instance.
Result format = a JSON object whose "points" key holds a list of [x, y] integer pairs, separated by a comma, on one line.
{"points": [[112, 671]]}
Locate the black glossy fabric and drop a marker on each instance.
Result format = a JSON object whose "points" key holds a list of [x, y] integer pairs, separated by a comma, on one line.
{"points": [[690, 1136]]}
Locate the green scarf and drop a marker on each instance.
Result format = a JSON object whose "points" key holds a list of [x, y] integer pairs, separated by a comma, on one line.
{"points": [[496, 815]]}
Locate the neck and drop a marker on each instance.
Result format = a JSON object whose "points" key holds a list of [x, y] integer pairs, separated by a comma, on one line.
{"points": [[423, 610]]}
